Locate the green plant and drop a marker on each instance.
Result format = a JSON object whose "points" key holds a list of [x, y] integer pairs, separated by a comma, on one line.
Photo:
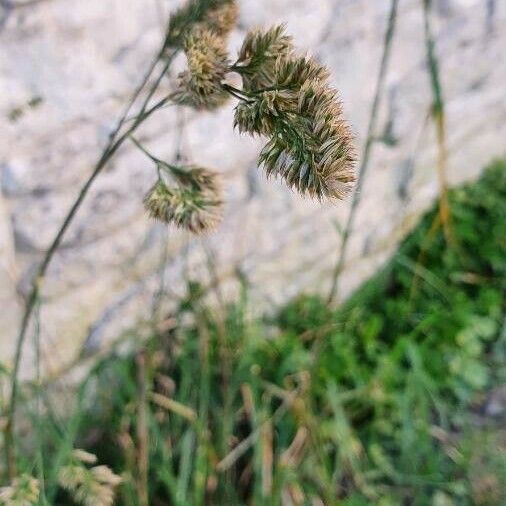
{"points": [[365, 404]]}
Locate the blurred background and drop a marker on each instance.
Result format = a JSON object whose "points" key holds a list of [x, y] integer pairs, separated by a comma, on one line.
{"points": [[67, 69]]}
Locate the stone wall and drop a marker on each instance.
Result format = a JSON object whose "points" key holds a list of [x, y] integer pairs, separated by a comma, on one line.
{"points": [[66, 71]]}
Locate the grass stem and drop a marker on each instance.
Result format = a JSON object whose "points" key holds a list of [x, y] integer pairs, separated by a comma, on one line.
{"points": [[373, 119]]}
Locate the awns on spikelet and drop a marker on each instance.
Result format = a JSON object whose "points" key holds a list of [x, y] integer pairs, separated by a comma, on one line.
{"points": [[310, 145], [258, 55], [193, 203], [313, 151]]}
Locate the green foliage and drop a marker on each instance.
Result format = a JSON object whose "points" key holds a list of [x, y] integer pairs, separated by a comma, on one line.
{"points": [[369, 403]]}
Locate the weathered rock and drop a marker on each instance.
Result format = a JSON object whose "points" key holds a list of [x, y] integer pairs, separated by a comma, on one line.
{"points": [[66, 70]]}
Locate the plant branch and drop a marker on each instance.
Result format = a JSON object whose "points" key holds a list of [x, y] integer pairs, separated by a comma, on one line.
{"points": [[144, 150], [362, 172], [237, 93]]}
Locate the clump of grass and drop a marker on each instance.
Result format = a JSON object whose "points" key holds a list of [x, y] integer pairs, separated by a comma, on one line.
{"points": [[366, 404]]}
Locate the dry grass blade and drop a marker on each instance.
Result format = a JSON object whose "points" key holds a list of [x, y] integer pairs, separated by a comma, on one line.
{"points": [[173, 406], [229, 460]]}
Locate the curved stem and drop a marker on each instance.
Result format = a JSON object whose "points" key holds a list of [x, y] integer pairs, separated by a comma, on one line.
{"points": [[387, 44], [111, 148], [144, 150], [438, 116], [236, 92]]}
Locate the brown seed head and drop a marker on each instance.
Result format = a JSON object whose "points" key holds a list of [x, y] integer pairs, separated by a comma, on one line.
{"points": [[311, 148], [258, 54], [222, 19], [193, 204], [200, 86], [220, 16]]}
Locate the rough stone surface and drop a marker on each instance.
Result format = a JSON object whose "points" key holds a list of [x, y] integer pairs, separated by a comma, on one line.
{"points": [[66, 71]]}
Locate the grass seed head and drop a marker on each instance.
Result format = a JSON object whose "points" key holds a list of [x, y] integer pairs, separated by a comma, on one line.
{"points": [[194, 203], [23, 491], [93, 486], [84, 456], [289, 100], [311, 148], [223, 18], [207, 58], [219, 16], [257, 57]]}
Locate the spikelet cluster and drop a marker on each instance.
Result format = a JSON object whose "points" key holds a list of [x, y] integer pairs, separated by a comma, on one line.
{"points": [[200, 86], [290, 101], [258, 55], [193, 203], [222, 18], [219, 16], [23, 491], [89, 486]]}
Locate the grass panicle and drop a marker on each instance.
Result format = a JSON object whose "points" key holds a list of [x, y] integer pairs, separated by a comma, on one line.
{"points": [[313, 153], [310, 144], [223, 18]]}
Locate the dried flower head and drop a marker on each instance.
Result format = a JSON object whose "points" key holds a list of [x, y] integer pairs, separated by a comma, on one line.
{"points": [[23, 491], [90, 487], [200, 85], [258, 55], [258, 113], [193, 204], [220, 16]]}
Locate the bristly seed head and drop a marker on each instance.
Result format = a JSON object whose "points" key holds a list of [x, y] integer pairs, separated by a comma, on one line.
{"points": [[219, 16], [258, 55], [310, 145], [312, 150], [200, 85], [194, 203], [93, 486], [23, 491], [222, 18], [258, 114]]}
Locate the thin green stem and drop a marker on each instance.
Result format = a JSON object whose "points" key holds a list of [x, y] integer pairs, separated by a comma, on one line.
{"points": [[364, 166], [142, 430], [236, 92], [144, 150], [438, 116]]}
